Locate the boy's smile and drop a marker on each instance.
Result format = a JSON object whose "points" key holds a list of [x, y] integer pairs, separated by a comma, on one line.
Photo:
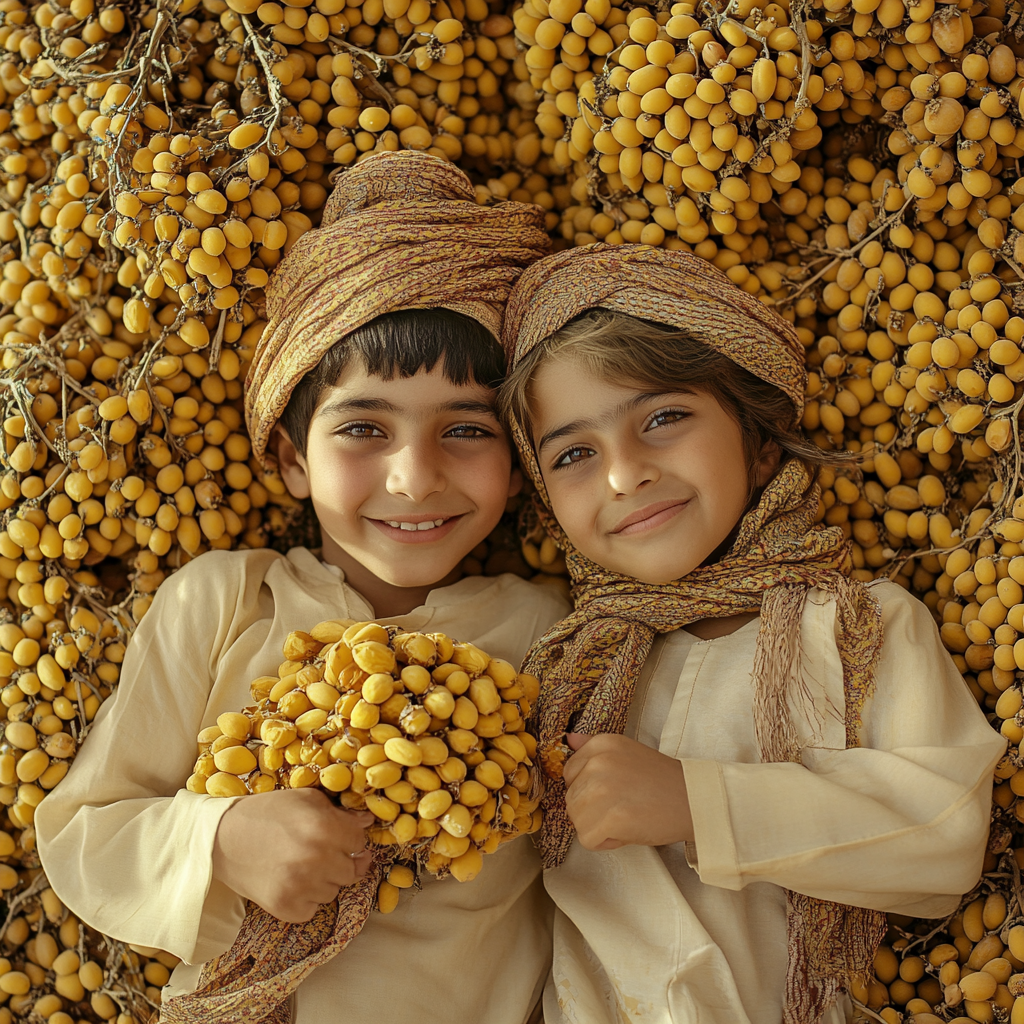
{"points": [[417, 530], [406, 476]]}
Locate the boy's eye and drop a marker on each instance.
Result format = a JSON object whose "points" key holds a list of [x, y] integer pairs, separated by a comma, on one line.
{"points": [[470, 430], [361, 430], [573, 455]]}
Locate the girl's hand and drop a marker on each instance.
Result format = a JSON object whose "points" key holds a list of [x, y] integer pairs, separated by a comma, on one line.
{"points": [[289, 851], [621, 793]]}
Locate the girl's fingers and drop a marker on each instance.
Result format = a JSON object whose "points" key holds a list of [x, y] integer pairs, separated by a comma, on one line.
{"points": [[574, 765]]}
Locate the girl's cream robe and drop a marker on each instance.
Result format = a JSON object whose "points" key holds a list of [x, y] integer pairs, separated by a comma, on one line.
{"points": [[899, 824], [130, 851]]}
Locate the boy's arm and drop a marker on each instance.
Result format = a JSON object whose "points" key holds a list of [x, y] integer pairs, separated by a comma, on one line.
{"points": [[123, 845], [897, 824], [139, 858]]}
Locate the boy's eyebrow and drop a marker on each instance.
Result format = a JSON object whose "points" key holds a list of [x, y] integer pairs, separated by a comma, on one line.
{"points": [[344, 405], [588, 424]]}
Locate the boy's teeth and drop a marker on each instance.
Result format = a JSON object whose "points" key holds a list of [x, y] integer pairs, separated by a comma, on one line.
{"points": [[427, 525]]}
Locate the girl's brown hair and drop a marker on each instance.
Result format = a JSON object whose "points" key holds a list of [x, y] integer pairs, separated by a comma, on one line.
{"points": [[618, 347]]}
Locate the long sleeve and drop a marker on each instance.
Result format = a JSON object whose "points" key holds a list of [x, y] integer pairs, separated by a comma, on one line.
{"points": [[897, 824], [123, 845]]}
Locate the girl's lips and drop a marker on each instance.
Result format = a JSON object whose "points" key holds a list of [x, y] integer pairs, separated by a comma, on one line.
{"points": [[650, 517], [417, 536]]}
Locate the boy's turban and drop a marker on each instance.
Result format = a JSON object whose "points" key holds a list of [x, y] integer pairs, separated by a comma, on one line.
{"points": [[401, 230]]}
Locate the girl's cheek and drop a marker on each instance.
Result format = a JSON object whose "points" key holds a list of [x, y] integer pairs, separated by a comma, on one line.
{"points": [[567, 511]]}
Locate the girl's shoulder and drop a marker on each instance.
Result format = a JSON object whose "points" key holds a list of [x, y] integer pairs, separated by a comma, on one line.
{"points": [[903, 615]]}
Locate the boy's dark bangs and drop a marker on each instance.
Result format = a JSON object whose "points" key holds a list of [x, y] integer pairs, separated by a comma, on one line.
{"points": [[409, 340], [400, 344]]}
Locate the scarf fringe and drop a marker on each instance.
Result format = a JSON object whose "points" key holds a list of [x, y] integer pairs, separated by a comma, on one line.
{"points": [[253, 981], [828, 943]]}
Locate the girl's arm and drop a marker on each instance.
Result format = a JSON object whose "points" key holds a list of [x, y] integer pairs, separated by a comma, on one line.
{"points": [[897, 824]]}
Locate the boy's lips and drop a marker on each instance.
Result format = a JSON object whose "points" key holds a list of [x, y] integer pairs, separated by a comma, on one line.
{"points": [[417, 529], [650, 516]]}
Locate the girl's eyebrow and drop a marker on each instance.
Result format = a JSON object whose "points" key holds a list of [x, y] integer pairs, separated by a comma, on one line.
{"points": [[629, 405]]}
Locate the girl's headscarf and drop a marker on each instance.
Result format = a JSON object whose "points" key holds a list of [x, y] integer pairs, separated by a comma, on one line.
{"points": [[401, 230], [590, 662]]}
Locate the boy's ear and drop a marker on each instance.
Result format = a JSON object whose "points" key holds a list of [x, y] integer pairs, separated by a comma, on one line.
{"points": [[293, 467], [768, 463], [515, 482]]}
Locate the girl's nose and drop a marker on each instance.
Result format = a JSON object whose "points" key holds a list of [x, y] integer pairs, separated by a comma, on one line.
{"points": [[630, 469]]}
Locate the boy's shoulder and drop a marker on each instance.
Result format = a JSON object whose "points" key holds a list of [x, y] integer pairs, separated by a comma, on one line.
{"points": [[218, 581], [220, 567]]}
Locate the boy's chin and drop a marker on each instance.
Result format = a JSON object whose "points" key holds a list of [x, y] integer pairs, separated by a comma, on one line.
{"points": [[429, 573]]}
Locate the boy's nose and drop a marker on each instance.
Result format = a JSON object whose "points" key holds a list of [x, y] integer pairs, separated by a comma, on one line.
{"points": [[415, 472]]}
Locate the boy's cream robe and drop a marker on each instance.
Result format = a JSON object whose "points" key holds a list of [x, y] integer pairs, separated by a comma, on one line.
{"points": [[899, 824], [130, 851]]}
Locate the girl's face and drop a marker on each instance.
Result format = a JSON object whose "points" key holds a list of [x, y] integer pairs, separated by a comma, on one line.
{"points": [[647, 484]]}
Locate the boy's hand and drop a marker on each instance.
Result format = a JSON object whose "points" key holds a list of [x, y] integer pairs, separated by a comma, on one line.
{"points": [[289, 851], [621, 793]]}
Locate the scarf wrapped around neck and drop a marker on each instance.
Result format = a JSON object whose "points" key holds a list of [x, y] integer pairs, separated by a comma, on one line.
{"points": [[590, 662]]}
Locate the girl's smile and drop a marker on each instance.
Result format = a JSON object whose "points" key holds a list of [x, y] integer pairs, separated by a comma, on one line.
{"points": [[651, 517]]}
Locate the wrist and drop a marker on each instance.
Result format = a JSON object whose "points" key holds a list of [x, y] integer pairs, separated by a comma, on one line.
{"points": [[681, 820], [225, 846]]}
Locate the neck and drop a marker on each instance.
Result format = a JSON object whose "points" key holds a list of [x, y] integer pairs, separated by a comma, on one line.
{"points": [[711, 629], [384, 598]]}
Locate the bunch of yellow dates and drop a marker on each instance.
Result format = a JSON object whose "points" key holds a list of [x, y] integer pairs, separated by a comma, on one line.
{"points": [[426, 733]]}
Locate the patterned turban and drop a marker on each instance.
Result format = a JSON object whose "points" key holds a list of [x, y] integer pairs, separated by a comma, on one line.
{"points": [[400, 231], [674, 288]]}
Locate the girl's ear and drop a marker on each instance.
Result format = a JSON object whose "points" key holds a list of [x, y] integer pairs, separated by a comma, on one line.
{"points": [[767, 464], [293, 467]]}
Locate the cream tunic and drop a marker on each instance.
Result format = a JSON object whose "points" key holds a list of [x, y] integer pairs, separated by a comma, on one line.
{"points": [[898, 824], [130, 851]]}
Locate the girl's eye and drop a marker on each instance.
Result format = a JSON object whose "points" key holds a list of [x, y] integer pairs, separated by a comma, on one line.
{"points": [[362, 430], [664, 418], [571, 456]]}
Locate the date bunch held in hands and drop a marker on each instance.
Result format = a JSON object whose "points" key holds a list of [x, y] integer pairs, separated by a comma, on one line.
{"points": [[426, 733]]}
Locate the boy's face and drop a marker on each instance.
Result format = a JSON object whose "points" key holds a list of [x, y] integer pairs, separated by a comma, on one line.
{"points": [[406, 475], [647, 485]]}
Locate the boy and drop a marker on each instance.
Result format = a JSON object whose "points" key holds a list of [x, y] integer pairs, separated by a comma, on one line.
{"points": [[393, 435]]}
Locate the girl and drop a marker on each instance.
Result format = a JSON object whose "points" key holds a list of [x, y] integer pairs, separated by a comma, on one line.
{"points": [[764, 755]]}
